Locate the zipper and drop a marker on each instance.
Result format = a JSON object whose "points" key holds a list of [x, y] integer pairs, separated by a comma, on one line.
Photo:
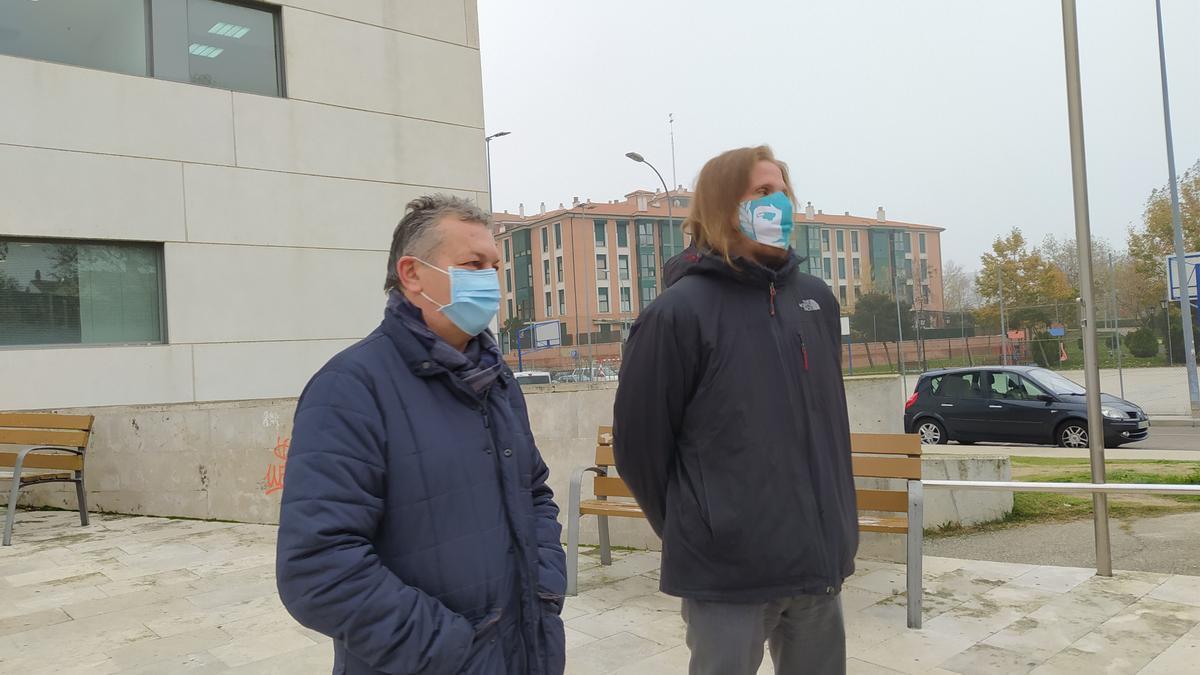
{"points": [[803, 349], [772, 298]]}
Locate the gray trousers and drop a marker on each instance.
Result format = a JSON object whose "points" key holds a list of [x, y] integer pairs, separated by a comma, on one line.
{"points": [[806, 634]]}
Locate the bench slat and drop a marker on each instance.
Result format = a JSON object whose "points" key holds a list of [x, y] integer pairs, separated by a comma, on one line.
{"points": [[66, 439], [887, 467], [604, 436], [886, 444], [37, 460], [882, 500], [46, 421], [596, 507], [604, 456], [898, 524], [611, 487]]}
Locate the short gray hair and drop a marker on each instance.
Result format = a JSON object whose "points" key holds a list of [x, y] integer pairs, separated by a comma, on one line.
{"points": [[416, 234]]}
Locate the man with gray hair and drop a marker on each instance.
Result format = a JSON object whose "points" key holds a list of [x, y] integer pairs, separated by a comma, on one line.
{"points": [[417, 529]]}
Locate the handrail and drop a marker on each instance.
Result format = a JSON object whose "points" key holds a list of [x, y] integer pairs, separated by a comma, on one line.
{"points": [[1027, 486]]}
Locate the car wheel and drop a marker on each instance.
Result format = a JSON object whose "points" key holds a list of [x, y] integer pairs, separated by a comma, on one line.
{"points": [[932, 432], [1073, 434]]}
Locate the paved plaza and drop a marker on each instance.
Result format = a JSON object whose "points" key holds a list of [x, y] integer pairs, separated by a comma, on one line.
{"points": [[153, 595]]}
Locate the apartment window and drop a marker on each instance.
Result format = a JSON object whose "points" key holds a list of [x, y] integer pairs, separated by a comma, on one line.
{"points": [[559, 266], [549, 304], [602, 299], [207, 42], [921, 242], [854, 241], [825, 241], [601, 228], [828, 268], [602, 268], [856, 267], [623, 267], [857, 292], [558, 237], [842, 294], [546, 272], [562, 303], [908, 269], [648, 294], [545, 240], [924, 270], [626, 303], [508, 280], [507, 251], [510, 310], [61, 292], [841, 240], [841, 268], [622, 234], [646, 234]]}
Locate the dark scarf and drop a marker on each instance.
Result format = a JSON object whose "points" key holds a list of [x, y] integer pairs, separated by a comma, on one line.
{"points": [[478, 366]]}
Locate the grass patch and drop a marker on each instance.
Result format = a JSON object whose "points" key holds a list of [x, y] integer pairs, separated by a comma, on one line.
{"points": [[1043, 507]]}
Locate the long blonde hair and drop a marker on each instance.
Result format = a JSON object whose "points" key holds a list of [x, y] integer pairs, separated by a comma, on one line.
{"points": [[713, 221]]}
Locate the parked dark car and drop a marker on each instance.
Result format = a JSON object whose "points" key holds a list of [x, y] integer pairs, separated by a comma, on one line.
{"points": [[1017, 404]]}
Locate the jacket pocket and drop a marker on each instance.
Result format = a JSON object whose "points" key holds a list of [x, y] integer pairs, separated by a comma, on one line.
{"points": [[485, 654]]}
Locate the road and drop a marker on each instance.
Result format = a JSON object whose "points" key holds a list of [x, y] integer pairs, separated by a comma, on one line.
{"points": [[1179, 443]]}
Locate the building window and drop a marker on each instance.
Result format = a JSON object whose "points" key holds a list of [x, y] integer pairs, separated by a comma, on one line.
{"points": [[562, 302], [648, 294], [825, 240], [857, 292], [558, 238], [856, 267], [602, 299], [622, 234], [508, 279], [546, 272], [549, 305], [507, 251], [63, 292], [841, 268], [625, 300], [841, 240], [921, 241], [908, 269], [510, 310], [207, 42], [623, 267], [854, 241], [842, 294], [828, 268], [601, 228], [559, 266], [602, 268], [545, 241], [924, 269], [646, 234]]}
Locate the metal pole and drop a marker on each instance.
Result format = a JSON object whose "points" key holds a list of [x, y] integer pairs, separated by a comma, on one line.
{"points": [[1170, 347], [1083, 239], [674, 176], [899, 321], [1112, 279], [1003, 322], [1185, 308]]}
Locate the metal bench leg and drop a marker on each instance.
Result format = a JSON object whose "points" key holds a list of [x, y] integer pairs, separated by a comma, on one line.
{"points": [[916, 533], [81, 495], [605, 548], [11, 514], [573, 533]]}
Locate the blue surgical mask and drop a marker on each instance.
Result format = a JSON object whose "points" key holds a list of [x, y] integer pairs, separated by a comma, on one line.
{"points": [[474, 298], [767, 220]]}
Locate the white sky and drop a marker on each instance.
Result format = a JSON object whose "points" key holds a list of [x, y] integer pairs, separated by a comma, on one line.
{"points": [[947, 112]]}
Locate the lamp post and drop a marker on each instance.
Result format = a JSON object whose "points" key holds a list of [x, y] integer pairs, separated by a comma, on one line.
{"points": [[642, 160], [487, 144]]}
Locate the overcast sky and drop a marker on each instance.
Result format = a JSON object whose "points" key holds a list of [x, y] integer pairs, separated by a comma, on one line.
{"points": [[947, 112]]}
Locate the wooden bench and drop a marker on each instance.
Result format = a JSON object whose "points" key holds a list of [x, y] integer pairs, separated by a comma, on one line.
{"points": [[893, 456], [55, 453]]}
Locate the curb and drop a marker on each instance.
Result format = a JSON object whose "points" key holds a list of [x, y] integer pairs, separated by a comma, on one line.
{"points": [[1174, 422]]}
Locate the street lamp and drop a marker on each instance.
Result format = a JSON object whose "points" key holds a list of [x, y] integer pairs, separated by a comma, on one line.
{"points": [[487, 144], [642, 160]]}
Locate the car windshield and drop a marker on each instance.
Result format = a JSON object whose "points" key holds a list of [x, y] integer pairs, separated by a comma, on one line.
{"points": [[1057, 383]]}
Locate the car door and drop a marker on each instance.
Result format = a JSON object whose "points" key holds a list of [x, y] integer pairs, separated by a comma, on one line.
{"points": [[960, 404], [1014, 412]]}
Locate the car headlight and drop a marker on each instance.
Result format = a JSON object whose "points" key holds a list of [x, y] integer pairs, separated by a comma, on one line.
{"points": [[1112, 413]]}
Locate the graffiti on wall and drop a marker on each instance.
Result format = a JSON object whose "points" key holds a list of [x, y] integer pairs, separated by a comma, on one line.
{"points": [[275, 469]]}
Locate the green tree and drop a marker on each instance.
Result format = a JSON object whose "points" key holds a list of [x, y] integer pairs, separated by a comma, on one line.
{"points": [[1035, 291], [1142, 342], [1155, 238], [874, 318]]}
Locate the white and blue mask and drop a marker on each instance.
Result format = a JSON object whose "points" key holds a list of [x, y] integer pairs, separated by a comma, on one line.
{"points": [[767, 220], [474, 298]]}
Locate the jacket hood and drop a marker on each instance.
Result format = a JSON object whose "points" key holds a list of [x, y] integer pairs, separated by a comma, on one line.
{"points": [[695, 261]]}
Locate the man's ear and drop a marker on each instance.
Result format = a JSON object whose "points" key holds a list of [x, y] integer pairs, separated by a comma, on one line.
{"points": [[406, 271]]}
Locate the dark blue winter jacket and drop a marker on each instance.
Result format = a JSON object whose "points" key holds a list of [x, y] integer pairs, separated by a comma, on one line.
{"points": [[416, 527]]}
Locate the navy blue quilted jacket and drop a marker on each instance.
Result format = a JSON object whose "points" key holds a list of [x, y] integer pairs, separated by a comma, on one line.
{"points": [[417, 529]]}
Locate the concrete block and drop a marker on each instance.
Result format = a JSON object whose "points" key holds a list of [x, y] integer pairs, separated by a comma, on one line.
{"points": [[94, 196], [301, 137], [114, 375], [74, 108], [445, 88], [293, 299], [260, 370]]}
